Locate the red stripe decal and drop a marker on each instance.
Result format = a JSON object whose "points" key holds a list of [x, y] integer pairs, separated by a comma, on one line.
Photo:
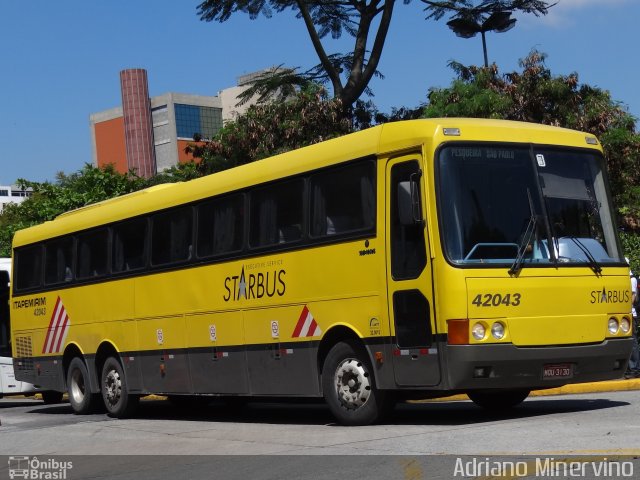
{"points": [[301, 320], [312, 328], [49, 328], [60, 314], [63, 330]]}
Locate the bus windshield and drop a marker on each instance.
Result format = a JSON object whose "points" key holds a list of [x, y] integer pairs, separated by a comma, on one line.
{"points": [[499, 203]]}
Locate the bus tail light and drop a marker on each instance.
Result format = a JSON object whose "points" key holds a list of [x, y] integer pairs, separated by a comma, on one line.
{"points": [[458, 331]]}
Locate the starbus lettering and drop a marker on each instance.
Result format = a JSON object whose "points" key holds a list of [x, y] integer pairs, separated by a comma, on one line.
{"points": [[610, 296], [255, 285]]}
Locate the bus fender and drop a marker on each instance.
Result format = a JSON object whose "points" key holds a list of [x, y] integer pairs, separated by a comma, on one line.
{"points": [[383, 372], [71, 351]]}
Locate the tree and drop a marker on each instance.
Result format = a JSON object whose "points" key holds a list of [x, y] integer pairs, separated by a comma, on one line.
{"points": [[465, 8], [535, 95], [367, 21], [86, 186], [308, 117], [488, 16], [68, 192]]}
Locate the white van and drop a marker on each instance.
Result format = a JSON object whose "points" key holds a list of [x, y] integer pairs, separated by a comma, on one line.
{"points": [[8, 383]]}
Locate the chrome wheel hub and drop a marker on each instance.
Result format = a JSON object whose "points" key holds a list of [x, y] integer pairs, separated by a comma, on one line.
{"points": [[352, 383], [112, 387]]}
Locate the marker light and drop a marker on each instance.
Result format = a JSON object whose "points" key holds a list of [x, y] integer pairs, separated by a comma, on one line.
{"points": [[497, 330], [458, 331], [613, 326], [451, 132], [591, 140], [478, 331], [625, 325]]}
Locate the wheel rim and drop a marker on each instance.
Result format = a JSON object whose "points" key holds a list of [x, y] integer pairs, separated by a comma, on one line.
{"points": [[77, 390], [113, 387], [352, 383]]}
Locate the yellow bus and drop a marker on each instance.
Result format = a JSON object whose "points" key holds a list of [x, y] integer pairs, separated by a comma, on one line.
{"points": [[418, 258]]}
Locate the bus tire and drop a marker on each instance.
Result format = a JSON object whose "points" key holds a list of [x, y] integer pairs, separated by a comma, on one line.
{"points": [[349, 388], [81, 399], [499, 399], [115, 393], [51, 397]]}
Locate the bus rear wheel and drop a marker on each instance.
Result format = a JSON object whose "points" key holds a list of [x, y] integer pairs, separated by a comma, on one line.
{"points": [[117, 399], [499, 399], [349, 386], [80, 397]]}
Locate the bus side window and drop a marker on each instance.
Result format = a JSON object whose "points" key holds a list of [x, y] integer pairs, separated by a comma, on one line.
{"points": [[343, 200], [408, 254], [129, 245], [276, 213], [28, 268], [58, 265], [171, 236], [92, 256], [221, 226]]}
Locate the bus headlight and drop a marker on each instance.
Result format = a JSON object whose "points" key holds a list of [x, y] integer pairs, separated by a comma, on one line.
{"points": [[478, 331], [497, 330], [625, 325], [613, 326]]}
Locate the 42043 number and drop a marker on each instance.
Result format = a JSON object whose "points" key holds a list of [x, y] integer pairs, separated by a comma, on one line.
{"points": [[497, 299]]}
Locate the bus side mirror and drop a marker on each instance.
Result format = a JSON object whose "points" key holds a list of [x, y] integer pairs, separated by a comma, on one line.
{"points": [[409, 207]]}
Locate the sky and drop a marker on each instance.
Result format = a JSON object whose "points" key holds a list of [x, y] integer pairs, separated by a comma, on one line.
{"points": [[61, 60]]}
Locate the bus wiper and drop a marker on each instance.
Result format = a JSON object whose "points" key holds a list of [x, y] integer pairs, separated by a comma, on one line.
{"points": [[593, 263], [526, 239]]}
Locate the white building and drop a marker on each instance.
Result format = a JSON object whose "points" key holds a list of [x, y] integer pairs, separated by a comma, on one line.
{"points": [[12, 194]]}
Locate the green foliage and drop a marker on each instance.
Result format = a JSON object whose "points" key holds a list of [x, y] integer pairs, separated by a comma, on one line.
{"points": [[181, 172], [535, 95], [631, 249], [268, 129], [436, 9], [471, 95], [68, 192]]}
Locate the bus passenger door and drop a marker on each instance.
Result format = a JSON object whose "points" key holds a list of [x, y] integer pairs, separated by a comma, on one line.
{"points": [[410, 292]]}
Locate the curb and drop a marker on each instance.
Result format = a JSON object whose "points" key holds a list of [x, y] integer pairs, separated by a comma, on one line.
{"points": [[608, 386]]}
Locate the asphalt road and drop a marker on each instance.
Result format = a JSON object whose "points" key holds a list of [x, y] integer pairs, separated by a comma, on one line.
{"points": [[295, 440]]}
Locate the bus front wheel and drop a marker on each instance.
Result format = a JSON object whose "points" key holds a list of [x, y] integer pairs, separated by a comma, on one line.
{"points": [[349, 386], [80, 397], [498, 399], [115, 393]]}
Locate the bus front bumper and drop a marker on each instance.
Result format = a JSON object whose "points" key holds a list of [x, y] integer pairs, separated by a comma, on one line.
{"points": [[471, 367]]}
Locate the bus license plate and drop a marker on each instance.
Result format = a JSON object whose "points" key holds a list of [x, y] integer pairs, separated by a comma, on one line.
{"points": [[561, 370]]}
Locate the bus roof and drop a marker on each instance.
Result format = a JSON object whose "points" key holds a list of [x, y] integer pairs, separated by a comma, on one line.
{"points": [[380, 140]]}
